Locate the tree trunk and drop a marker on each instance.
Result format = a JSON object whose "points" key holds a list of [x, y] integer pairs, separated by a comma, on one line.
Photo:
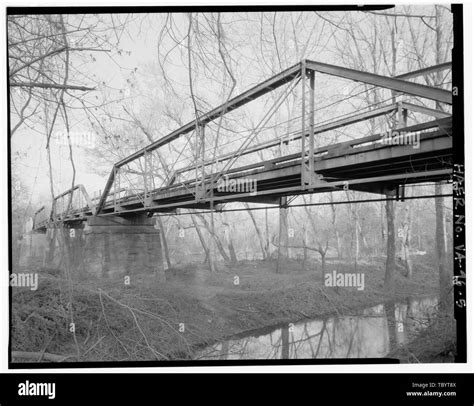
{"points": [[406, 240], [382, 228], [305, 248], [282, 235], [323, 264], [390, 264], [334, 226], [284, 232], [228, 240], [389, 309], [259, 233], [407, 258], [201, 238], [357, 243], [164, 242], [355, 230], [443, 275], [233, 256], [285, 342], [51, 247], [365, 245], [218, 242], [267, 235]]}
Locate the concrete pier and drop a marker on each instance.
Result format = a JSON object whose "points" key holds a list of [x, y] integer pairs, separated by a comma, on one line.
{"points": [[108, 247]]}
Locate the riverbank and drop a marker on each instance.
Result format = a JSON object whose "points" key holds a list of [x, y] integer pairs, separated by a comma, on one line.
{"points": [[436, 343], [149, 319]]}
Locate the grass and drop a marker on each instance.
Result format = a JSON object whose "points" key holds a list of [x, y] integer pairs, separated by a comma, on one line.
{"points": [[155, 320]]}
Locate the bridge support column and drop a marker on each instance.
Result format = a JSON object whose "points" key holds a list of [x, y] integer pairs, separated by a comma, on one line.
{"points": [[30, 252], [56, 247], [71, 249], [117, 247]]}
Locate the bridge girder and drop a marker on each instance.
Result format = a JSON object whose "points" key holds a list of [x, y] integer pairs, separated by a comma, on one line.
{"points": [[399, 85]]}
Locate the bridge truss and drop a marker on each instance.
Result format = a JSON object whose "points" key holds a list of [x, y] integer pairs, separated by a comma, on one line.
{"points": [[144, 182]]}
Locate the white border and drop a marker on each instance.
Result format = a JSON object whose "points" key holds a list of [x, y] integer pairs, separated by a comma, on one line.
{"points": [[404, 368]]}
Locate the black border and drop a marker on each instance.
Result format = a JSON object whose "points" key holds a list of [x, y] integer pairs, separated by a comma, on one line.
{"points": [[459, 212], [342, 388], [186, 9], [458, 153]]}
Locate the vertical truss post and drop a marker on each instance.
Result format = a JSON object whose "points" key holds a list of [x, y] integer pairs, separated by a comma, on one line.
{"points": [[211, 207], [303, 123], [311, 126], [405, 117], [70, 200], [196, 152], [116, 186], [402, 114], [200, 166], [402, 117], [203, 152], [147, 176], [307, 152]]}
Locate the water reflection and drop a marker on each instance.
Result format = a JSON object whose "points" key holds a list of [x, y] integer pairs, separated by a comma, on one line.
{"points": [[372, 333]]}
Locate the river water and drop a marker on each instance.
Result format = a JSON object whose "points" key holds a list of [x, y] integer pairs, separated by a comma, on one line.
{"points": [[370, 333]]}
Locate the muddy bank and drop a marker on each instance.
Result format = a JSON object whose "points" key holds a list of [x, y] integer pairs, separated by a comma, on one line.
{"points": [[155, 320]]}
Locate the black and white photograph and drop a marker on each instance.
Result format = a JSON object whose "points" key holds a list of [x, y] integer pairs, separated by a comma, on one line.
{"points": [[236, 185]]}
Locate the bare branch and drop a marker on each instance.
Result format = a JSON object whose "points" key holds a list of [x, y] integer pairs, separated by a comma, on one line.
{"points": [[51, 86]]}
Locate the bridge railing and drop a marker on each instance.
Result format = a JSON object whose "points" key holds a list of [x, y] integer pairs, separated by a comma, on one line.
{"points": [[41, 218], [345, 121], [72, 202]]}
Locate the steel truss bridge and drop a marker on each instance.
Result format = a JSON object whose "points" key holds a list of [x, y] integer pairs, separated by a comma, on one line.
{"points": [[368, 164]]}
